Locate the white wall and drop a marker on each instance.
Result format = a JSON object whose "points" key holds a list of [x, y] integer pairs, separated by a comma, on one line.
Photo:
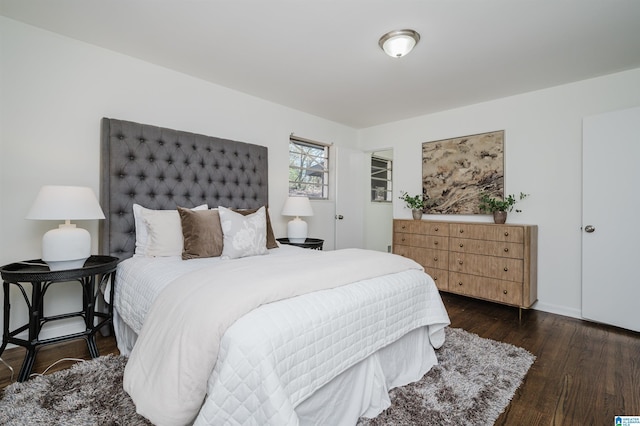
{"points": [[55, 90], [543, 150]]}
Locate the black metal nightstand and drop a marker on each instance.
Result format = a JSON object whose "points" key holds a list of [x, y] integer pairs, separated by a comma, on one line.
{"points": [[310, 243], [96, 271]]}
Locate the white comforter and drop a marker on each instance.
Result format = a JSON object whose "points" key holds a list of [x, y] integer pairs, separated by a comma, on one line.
{"points": [[273, 358]]}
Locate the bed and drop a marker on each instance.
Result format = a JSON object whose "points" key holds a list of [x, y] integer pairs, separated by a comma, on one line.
{"points": [[251, 333]]}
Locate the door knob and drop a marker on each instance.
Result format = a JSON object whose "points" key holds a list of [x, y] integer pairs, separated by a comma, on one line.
{"points": [[589, 228], [339, 217]]}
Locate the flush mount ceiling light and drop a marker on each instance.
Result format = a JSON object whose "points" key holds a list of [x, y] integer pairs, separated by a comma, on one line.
{"points": [[399, 42]]}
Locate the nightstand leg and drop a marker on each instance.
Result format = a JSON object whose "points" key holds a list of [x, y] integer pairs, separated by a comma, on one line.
{"points": [[93, 348], [7, 310], [27, 364], [89, 309]]}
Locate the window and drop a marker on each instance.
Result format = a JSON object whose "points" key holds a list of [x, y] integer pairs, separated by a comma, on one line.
{"points": [[308, 168], [381, 171]]}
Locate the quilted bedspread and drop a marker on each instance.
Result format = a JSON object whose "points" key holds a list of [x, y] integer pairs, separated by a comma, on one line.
{"points": [[275, 356]]}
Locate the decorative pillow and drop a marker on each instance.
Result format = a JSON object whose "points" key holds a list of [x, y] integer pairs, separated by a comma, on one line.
{"points": [[243, 235], [271, 238], [142, 229], [202, 233]]}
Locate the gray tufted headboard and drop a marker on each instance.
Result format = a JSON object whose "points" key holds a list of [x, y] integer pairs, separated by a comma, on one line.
{"points": [[161, 168]]}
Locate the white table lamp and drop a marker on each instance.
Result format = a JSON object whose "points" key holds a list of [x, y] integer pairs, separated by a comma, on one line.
{"points": [[297, 228], [66, 247]]}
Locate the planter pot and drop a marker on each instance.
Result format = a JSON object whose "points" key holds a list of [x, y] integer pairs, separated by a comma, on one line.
{"points": [[417, 214], [499, 217]]}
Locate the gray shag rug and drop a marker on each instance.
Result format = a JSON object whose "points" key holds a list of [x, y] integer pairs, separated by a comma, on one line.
{"points": [[472, 384]]}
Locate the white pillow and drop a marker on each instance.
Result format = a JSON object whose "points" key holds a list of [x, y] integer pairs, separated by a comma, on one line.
{"points": [[142, 230], [243, 235]]}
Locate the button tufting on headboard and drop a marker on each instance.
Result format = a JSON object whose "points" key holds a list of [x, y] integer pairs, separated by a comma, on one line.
{"points": [[153, 167]]}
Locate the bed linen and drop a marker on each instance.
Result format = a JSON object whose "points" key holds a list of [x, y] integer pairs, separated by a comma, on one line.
{"points": [[272, 359]]}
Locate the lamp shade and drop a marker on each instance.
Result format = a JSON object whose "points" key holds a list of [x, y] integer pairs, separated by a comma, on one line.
{"points": [[398, 43], [297, 206], [66, 247], [56, 202]]}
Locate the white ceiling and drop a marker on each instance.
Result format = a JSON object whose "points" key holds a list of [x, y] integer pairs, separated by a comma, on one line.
{"points": [[322, 56]]}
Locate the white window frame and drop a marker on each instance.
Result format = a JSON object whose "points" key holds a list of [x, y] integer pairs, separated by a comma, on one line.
{"points": [[381, 180], [308, 168]]}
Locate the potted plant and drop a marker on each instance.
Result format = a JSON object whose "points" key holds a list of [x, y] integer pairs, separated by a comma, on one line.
{"points": [[416, 203], [499, 206]]}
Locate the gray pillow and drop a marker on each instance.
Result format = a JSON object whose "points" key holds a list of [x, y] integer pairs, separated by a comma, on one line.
{"points": [[271, 238], [243, 235]]}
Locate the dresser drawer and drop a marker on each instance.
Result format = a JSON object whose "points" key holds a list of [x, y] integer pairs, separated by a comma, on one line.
{"points": [[490, 248], [401, 238], [429, 228], [486, 288], [512, 234], [429, 241], [401, 226], [488, 266], [428, 258], [401, 249], [440, 277]]}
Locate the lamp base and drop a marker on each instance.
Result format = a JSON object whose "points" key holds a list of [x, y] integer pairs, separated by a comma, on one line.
{"points": [[66, 247], [297, 230], [65, 264]]}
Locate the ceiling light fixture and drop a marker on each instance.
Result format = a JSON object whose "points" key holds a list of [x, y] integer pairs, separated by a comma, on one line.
{"points": [[399, 42]]}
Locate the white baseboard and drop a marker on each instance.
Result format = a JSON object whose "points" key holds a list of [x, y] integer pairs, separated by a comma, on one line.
{"points": [[558, 310]]}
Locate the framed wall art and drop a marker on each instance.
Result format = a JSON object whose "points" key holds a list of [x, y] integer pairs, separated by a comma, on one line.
{"points": [[455, 171]]}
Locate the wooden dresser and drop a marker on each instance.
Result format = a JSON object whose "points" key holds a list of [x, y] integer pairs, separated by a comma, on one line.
{"points": [[492, 262]]}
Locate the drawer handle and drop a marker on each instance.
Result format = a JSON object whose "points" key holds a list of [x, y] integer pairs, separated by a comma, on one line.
{"points": [[506, 233], [435, 243], [460, 283], [404, 226], [462, 231], [436, 228], [506, 269], [435, 259], [460, 262], [461, 245], [435, 278], [504, 291], [403, 239], [506, 249]]}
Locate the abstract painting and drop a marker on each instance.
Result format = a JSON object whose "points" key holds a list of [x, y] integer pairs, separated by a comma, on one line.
{"points": [[456, 171]]}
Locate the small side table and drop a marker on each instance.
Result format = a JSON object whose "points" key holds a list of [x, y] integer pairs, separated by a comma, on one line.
{"points": [[96, 271], [310, 243]]}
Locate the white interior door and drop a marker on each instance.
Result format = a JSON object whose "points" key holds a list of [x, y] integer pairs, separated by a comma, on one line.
{"points": [[349, 198], [610, 231]]}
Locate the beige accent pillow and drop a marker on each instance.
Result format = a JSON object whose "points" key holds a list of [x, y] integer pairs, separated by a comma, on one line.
{"points": [[165, 232], [201, 232], [271, 238], [142, 231]]}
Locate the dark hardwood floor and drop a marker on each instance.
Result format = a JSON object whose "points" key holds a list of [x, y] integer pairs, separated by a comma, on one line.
{"points": [[584, 374], [49, 354]]}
